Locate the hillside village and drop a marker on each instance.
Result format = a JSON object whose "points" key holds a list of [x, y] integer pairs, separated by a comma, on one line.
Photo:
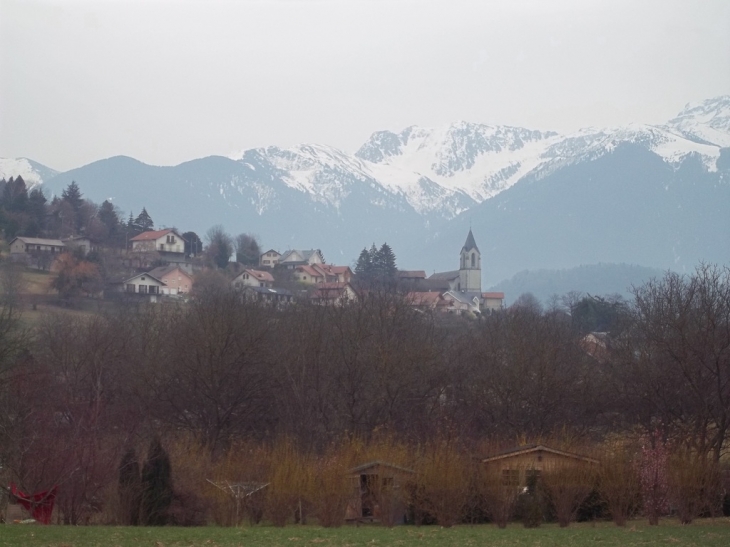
{"points": [[136, 261]]}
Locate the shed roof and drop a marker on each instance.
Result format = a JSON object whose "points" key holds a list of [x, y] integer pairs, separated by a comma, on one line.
{"points": [[527, 449], [40, 241], [379, 463]]}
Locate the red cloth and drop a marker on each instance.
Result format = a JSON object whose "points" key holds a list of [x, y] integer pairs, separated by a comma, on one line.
{"points": [[40, 504]]}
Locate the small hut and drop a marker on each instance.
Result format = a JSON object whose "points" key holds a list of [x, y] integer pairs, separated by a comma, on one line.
{"points": [[378, 493], [516, 464]]}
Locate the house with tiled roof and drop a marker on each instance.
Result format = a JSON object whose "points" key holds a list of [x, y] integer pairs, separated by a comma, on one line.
{"points": [[178, 279], [168, 243], [253, 278]]}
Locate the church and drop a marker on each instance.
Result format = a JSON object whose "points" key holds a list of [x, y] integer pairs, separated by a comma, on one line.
{"points": [[463, 287]]}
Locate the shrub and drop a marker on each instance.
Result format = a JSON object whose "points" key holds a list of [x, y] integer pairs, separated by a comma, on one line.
{"points": [[567, 488], [619, 485], [157, 492]]}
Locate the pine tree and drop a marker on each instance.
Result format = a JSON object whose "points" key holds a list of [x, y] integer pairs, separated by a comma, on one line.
{"points": [[73, 196], [130, 488], [144, 222], [157, 489], [364, 266], [385, 259], [109, 218]]}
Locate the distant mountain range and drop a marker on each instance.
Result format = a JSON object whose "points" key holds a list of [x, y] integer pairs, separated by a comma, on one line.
{"points": [[595, 279], [655, 195]]}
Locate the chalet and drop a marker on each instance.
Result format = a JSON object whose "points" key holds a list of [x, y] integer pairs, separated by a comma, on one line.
{"points": [[30, 245], [293, 258], [340, 274], [168, 243], [336, 294], [269, 259], [253, 278], [176, 277], [517, 463], [378, 493]]}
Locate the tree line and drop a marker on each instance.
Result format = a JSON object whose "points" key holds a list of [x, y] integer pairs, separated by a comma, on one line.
{"points": [[76, 392]]}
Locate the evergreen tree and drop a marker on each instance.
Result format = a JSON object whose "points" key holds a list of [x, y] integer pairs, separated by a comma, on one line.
{"points": [[132, 229], [109, 218], [130, 488], [144, 222], [157, 489], [73, 196], [385, 260], [364, 266], [15, 196], [37, 207]]}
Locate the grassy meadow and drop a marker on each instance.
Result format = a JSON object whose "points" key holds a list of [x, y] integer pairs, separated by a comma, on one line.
{"points": [[708, 533]]}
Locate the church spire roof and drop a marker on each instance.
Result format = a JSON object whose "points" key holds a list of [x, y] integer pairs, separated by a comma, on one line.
{"points": [[470, 243]]}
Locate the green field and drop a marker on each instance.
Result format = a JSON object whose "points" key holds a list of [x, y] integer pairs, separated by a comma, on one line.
{"points": [[702, 533]]}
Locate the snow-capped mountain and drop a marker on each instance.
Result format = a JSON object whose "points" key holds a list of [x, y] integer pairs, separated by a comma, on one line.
{"points": [[706, 122], [537, 194], [33, 173]]}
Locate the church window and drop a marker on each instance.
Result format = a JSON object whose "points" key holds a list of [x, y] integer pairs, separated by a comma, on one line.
{"points": [[473, 258]]}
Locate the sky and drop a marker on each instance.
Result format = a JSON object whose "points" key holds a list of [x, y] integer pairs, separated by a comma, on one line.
{"points": [[170, 81]]}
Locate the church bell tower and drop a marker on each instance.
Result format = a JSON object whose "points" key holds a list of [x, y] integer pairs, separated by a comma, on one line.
{"points": [[470, 266]]}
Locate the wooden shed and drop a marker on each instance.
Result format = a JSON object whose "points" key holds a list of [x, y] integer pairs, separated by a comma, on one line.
{"points": [[517, 463], [378, 493]]}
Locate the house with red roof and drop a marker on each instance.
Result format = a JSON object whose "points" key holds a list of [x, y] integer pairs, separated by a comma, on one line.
{"points": [[253, 278]]}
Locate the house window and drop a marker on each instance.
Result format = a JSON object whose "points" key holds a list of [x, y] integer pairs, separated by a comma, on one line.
{"points": [[170, 240], [154, 289], [162, 247], [511, 477], [143, 289]]}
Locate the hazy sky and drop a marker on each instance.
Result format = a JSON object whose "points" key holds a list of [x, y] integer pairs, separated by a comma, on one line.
{"points": [[170, 81]]}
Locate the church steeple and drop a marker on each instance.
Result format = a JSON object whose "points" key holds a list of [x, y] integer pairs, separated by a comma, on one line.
{"points": [[470, 266]]}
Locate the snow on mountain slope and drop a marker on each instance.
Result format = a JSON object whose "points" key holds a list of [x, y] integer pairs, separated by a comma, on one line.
{"points": [[478, 160], [33, 173], [590, 144], [707, 121], [446, 170]]}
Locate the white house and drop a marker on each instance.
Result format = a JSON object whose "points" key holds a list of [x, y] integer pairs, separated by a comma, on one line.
{"points": [[270, 258], [293, 258], [168, 243]]}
